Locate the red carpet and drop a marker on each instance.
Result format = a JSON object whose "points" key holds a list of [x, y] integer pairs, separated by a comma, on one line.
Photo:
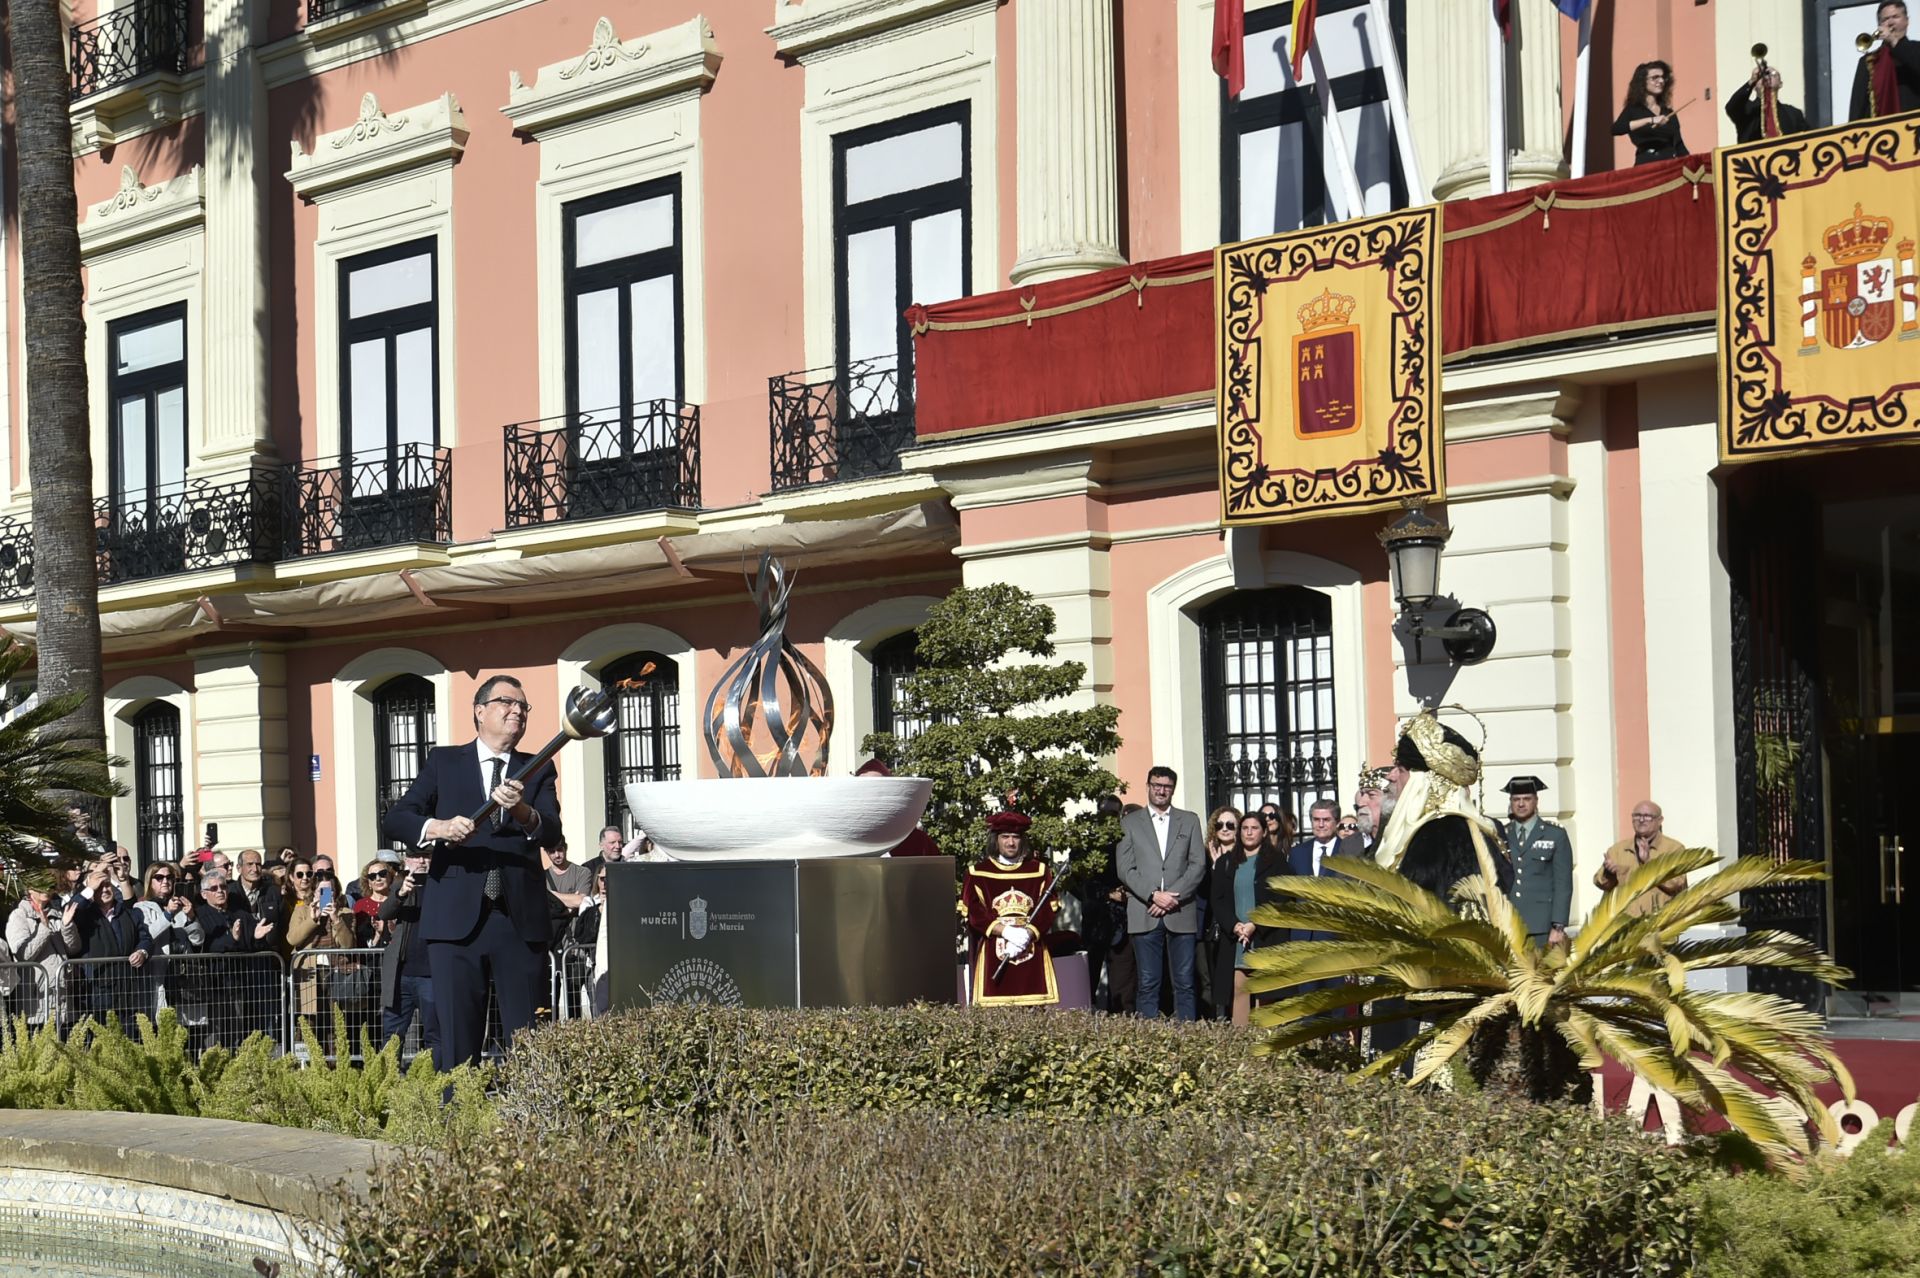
{"points": [[1886, 1075]]}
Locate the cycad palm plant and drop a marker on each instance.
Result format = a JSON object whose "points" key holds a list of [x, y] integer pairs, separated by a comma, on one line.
{"points": [[1620, 991], [46, 763]]}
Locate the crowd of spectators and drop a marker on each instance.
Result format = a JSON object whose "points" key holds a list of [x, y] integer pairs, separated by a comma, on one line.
{"points": [[232, 943]]}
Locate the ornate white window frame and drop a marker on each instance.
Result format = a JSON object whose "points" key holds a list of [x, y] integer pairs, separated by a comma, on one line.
{"points": [[1176, 693], [849, 671], [356, 828], [869, 61], [385, 179], [124, 701], [622, 113], [144, 248], [583, 779]]}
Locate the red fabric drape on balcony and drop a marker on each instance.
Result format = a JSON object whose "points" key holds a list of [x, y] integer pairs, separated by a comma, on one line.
{"points": [[1606, 253]]}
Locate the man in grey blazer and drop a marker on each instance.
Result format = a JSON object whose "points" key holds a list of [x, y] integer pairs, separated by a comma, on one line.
{"points": [[1161, 860]]}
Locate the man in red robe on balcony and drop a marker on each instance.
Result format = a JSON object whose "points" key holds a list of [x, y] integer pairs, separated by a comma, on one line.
{"points": [[1003, 894]]}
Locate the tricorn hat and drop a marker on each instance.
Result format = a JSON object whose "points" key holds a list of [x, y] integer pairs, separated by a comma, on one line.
{"points": [[1524, 785], [1008, 821]]}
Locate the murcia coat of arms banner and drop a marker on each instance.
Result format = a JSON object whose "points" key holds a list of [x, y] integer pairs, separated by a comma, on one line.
{"points": [[1819, 336], [1328, 342]]}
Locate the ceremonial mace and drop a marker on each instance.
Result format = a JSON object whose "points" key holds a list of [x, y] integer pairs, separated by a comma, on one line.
{"points": [[1038, 906], [588, 714]]}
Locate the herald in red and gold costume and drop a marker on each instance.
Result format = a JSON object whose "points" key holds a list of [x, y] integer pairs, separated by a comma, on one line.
{"points": [[1001, 892]]}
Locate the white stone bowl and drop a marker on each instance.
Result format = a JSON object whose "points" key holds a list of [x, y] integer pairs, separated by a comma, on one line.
{"points": [[777, 818]]}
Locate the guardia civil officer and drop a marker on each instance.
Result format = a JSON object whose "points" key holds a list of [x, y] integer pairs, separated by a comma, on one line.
{"points": [[1542, 863]]}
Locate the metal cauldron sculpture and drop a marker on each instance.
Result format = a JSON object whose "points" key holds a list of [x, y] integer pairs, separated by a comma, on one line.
{"points": [[767, 724], [771, 713]]}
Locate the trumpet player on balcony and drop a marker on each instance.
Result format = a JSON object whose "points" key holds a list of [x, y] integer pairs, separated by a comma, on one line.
{"points": [[1887, 79]]}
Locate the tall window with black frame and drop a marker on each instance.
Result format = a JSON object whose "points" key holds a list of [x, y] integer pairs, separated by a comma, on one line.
{"points": [[645, 742], [895, 660], [390, 394], [147, 443], [1278, 168], [1267, 666], [625, 349], [902, 234], [157, 793], [403, 732]]}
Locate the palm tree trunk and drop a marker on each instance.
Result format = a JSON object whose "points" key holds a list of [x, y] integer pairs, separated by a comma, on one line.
{"points": [[58, 444]]}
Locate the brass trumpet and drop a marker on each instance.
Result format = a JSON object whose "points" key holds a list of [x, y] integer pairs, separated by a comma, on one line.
{"points": [[1867, 41], [1760, 56]]}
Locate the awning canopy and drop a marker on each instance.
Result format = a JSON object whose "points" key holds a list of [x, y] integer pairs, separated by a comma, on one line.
{"points": [[594, 573]]}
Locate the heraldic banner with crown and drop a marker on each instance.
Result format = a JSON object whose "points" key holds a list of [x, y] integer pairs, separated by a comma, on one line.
{"points": [[1328, 341], [1819, 323]]}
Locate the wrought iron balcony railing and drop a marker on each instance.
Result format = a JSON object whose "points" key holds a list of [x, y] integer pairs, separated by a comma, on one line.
{"points": [[16, 558], [834, 424], [128, 42], [185, 528], [320, 9], [361, 501], [612, 462]]}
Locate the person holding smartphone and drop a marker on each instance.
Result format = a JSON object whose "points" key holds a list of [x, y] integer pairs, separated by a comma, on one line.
{"points": [[406, 982], [317, 923]]}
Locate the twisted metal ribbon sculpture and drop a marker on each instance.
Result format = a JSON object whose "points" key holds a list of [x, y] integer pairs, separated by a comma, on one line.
{"points": [[747, 704]]}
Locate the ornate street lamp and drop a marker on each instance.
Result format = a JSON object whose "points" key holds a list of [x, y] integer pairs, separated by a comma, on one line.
{"points": [[1414, 543]]}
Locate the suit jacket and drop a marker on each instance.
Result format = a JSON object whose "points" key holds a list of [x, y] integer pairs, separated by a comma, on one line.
{"points": [[1542, 876], [1300, 861], [449, 785], [1143, 871]]}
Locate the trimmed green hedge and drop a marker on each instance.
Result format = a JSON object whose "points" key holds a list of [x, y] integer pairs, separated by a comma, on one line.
{"points": [[705, 1141]]}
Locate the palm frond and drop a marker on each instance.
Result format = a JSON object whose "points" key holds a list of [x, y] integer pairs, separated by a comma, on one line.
{"points": [[1612, 907]]}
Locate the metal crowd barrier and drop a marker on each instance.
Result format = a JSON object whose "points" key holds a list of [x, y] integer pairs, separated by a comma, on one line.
{"points": [[223, 999]]}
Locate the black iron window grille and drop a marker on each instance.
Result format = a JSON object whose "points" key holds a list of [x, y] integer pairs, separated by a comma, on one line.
{"points": [[1267, 667], [389, 383], [403, 732], [645, 742], [624, 337], [1275, 171], [16, 557], [894, 661], [398, 497], [829, 425], [127, 42], [204, 523], [158, 802], [612, 462]]}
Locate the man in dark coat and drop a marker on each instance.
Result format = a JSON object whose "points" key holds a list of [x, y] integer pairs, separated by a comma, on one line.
{"points": [[485, 918], [1747, 108], [1886, 80], [1542, 864]]}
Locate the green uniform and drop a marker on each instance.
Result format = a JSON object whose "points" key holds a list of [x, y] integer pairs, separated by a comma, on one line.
{"points": [[1542, 875]]}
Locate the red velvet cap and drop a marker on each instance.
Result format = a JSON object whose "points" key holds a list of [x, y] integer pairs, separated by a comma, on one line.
{"points": [[1009, 822]]}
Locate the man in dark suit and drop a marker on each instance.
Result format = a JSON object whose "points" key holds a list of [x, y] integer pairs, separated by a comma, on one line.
{"points": [[1311, 856], [1162, 859], [485, 918]]}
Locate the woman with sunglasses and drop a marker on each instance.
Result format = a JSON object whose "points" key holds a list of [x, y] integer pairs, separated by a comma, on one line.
{"points": [[1213, 923], [240, 990], [318, 922], [168, 916]]}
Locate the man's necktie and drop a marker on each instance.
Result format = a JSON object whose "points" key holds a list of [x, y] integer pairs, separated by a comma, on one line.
{"points": [[494, 889]]}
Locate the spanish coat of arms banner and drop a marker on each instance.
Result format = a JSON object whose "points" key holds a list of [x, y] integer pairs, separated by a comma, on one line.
{"points": [[1328, 341], [1819, 338]]}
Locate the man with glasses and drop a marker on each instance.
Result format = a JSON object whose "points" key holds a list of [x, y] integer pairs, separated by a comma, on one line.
{"points": [[1647, 841], [485, 920], [1162, 860]]}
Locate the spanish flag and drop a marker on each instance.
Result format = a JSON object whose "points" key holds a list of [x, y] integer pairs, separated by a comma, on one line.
{"points": [[1230, 44], [1304, 12]]}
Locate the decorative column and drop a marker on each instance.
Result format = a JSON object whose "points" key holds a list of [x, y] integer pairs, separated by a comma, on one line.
{"points": [[233, 413], [1069, 209], [1447, 84], [240, 731]]}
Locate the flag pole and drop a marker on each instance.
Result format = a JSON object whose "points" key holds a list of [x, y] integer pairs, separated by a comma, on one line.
{"points": [[1336, 137], [1397, 101], [1496, 101], [1582, 88]]}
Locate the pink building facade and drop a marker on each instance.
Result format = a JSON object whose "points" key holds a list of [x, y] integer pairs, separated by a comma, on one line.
{"points": [[438, 338]]}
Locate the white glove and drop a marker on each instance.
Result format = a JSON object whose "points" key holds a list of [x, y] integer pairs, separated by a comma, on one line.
{"points": [[1016, 939]]}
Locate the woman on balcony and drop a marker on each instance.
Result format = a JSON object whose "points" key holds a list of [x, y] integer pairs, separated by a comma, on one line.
{"points": [[1648, 117]]}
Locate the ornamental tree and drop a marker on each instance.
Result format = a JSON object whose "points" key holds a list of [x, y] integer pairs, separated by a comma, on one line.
{"points": [[999, 735]]}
